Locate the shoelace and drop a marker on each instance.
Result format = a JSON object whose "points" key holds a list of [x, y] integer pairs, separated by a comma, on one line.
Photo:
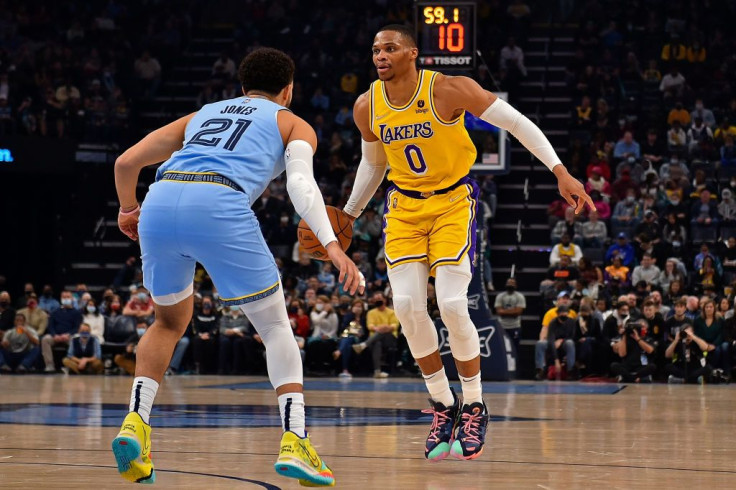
{"points": [[436, 416], [471, 426]]}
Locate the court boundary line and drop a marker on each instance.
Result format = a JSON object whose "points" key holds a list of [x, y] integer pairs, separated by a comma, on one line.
{"points": [[266, 485], [344, 456]]}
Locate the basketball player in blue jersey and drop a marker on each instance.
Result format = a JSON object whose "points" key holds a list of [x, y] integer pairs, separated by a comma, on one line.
{"points": [[217, 162], [411, 121]]}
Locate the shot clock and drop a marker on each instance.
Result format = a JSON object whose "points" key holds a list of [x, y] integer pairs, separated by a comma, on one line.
{"points": [[445, 34]]}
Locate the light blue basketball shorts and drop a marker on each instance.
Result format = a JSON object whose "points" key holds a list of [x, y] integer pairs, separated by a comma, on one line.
{"points": [[182, 223]]}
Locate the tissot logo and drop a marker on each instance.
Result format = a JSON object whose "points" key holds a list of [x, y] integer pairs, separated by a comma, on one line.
{"points": [[446, 60], [6, 156], [485, 334]]}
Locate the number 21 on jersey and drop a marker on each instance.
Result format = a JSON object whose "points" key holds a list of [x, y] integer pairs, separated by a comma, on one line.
{"points": [[216, 126]]}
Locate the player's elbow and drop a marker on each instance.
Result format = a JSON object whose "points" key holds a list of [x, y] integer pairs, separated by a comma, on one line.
{"points": [[123, 162]]}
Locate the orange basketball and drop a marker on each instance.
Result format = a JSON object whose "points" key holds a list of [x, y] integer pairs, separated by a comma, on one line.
{"points": [[341, 225]]}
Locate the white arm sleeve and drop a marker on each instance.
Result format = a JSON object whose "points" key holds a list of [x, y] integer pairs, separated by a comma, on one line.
{"points": [[303, 191], [369, 176], [501, 114]]}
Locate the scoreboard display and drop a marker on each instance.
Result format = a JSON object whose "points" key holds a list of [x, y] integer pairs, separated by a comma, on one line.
{"points": [[445, 34]]}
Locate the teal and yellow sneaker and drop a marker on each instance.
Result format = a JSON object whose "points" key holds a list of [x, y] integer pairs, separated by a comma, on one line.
{"points": [[298, 459], [132, 450]]}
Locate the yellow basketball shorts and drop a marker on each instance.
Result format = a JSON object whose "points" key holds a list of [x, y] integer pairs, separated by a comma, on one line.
{"points": [[437, 230]]}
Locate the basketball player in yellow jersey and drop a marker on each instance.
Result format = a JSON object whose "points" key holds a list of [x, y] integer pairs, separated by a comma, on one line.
{"points": [[412, 121]]}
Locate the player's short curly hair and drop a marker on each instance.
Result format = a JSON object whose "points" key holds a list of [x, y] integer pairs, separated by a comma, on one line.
{"points": [[406, 32], [266, 70]]}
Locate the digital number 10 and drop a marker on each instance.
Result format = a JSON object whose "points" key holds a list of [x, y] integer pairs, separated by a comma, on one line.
{"points": [[452, 38]]}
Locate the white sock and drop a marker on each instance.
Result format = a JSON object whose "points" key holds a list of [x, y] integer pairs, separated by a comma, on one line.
{"points": [[142, 395], [472, 389], [439, 387], [291, 406]]}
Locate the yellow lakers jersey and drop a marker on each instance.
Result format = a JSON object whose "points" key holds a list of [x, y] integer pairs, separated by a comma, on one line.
{"points": [[425, 152]]}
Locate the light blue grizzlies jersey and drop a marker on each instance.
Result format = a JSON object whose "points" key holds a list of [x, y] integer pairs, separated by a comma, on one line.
{"points": [[237, 138]]}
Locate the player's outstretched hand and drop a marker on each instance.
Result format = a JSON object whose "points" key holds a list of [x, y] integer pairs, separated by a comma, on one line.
{"points": [[128, 222], [350, 277], [569, 186]]}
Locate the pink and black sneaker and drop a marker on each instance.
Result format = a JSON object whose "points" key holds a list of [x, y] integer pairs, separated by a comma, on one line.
{"points": [[471, 433], [442, 431]]}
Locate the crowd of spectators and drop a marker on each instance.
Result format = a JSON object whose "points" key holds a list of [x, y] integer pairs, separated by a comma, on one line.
{"points": [[80, 70], [85, 335], [652, 133]]}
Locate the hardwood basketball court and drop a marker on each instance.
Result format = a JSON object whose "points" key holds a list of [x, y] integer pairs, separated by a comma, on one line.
{"points": [[223, 432]]}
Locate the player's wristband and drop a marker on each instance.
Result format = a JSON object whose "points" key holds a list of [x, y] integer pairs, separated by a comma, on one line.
{"points": [[131, 212]]}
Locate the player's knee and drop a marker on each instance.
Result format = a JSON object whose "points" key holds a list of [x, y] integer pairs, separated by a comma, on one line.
{"points": [[171, 324], [404, 309], [455, 316]]}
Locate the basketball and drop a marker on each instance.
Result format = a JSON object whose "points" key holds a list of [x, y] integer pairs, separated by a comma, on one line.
{"points": [[341, 225]]}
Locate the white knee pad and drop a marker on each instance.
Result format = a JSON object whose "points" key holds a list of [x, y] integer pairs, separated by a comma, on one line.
{"points": [[417, 326], [452, 296], [404, 309], [271, 321], [454, 313]]}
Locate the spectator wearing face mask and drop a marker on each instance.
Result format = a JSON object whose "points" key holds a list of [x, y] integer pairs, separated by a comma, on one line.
{"points": [[114, 314], [84, 355], [323, 341], [36, 318], [126, 361], [704, 218], [63, 324], [557, 341], [588, 337], [140, 305], [666, 170], [239, 351], [352, 331], [384, 328], [627, 213], [510, 305], [47, 302], [705, 114], [92, 317]]}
